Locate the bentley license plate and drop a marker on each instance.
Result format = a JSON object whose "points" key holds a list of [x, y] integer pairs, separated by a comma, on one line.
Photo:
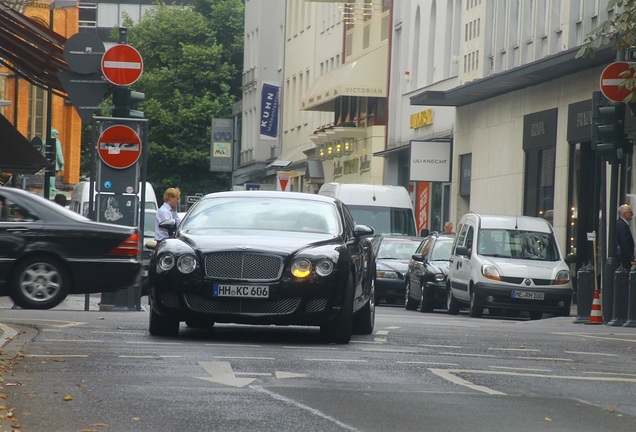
{"points": [[528, 295], [244, 291]]}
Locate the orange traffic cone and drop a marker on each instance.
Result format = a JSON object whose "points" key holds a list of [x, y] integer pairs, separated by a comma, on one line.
{"points": [[596, 316]]}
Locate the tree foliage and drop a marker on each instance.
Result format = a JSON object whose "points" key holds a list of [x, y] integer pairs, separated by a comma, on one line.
{"points": [[617, 32], [192, 74]]}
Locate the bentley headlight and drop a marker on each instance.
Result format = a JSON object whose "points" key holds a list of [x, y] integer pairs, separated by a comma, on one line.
{"points": [[324, 267], [301, 267], [166, 262], [439, 277], [383, 274], [187, 263]]}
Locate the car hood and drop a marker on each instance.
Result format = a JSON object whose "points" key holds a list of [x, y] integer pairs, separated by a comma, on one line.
{"points": [[527, 268], [397, 265], [208, 241]]}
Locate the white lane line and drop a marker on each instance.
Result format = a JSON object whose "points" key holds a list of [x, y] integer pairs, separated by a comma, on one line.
{"points": [[382, 332], [311, 347], [427, 363], [523, 369], [609, 373], [243, 358], [605, 337], [514, 349], [140, 356], [447, 374], [377, 341], [545, 358], [336, 360], [393, 327], [380, 340], [233, 345], [314, 411], [440, 346], [389, 350], [252, 373], [56, 355], [468, 355], [592, 353]]}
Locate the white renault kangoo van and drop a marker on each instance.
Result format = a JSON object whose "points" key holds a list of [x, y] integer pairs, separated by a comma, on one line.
{"points": [[81, 191], [508, 263], [388, 209]]}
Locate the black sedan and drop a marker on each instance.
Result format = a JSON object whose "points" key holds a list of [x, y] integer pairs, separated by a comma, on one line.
{"points": [[264, 257], [427, 273], [392, 259], [48, 252]]}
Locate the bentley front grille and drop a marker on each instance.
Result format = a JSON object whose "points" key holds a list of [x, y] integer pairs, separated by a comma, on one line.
{"points": [[243, 266], [237, 306]]}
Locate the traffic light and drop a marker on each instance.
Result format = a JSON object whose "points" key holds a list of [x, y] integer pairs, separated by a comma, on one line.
{"points": [[126, 102], [608, 128]]}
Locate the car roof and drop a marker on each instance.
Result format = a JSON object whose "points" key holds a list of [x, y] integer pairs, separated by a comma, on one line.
{"points": [[271, 194], [523, 223]]}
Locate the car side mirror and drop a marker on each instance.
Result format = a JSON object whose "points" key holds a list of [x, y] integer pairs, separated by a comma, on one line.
{"points": [[362, 231], [417, 257], [462, 250], [169, 225]]}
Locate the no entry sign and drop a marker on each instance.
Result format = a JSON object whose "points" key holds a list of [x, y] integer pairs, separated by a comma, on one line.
{"points": [[611, 81], [119, 147], [122, 65]]}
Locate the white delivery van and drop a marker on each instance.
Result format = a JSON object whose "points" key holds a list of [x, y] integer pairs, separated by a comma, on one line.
{"points": [[81, 191], [511, 263], [388, 209]]}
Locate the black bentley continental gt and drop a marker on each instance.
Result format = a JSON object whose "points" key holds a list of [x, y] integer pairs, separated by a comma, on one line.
{"points": [[48, 252], [264, 257]]}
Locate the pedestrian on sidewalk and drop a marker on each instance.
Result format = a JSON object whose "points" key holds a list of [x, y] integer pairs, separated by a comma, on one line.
{"points": [[624, 237]]}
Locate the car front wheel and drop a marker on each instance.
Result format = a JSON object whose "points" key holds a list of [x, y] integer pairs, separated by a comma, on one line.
{"points": [[409, 302], [40, 283], [162, 326], [474, 309], [451, 302], [425, 305], [340, 328], [364, 320]]}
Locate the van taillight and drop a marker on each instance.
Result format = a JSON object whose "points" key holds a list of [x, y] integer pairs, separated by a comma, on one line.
{"points": [[129, 247]]}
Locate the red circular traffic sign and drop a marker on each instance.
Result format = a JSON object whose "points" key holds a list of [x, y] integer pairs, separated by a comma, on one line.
{"points": [[611, 81], [119, 146], [122, 65]]}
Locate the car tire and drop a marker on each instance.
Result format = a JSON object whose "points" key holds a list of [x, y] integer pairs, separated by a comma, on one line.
{"points": [[425, 305], [39, 282], [534, 315], [339, 329], [452, 306], [409, 302], [474, 309], [364, 319], [162, 326]]}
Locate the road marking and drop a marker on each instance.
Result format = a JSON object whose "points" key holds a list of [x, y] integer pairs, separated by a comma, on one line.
{"points": [[140, 356], [311, 348], [252, 374], [233, 345], [222, 373], [57, 355], [305, 407], [389, 350], [55, 323], [336, 360], [382, 332], [441, 346], [282, 374], [592, 353], [447, 374], [605, 337], [514, 349], [545, 358], [609, 373], [467, 354], [518, 369], [427, 363], [377, 341], [244, 358]]}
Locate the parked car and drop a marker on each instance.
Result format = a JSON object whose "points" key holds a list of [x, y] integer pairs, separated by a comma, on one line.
{"points": [[427, 273], [511, 263], [392, 260], [264, 257], [48, 251]]}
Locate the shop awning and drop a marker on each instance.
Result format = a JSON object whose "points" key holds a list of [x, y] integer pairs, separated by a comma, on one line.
{"points": [[31, 50], [366, 76], [17, 154]]}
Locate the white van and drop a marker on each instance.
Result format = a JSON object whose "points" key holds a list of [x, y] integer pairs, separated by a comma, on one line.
{"points": [[511, 263], [81, 191], [388, 209]]}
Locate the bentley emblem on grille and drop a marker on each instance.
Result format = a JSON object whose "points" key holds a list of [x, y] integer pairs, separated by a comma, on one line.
{"points": [[528, 282]]}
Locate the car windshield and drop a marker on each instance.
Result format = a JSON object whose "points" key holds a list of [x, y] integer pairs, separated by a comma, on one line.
{"points": [[384, 220], [517, 244], [442, 250], [263, 213], [397, 249]]}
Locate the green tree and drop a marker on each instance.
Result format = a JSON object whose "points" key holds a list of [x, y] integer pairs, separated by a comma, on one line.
{"points": [[188, 79], [617, 32]]}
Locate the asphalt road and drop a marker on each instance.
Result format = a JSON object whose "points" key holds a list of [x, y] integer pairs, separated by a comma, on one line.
{"points": [[92, 370]]}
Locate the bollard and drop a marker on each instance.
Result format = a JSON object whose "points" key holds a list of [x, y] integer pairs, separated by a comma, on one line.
{"points": [[631, 300], [607, 292], [619, 305], [584, 293]]}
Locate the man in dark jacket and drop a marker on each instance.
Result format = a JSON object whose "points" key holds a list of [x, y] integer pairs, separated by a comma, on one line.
{"points": [[624, 238]]}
